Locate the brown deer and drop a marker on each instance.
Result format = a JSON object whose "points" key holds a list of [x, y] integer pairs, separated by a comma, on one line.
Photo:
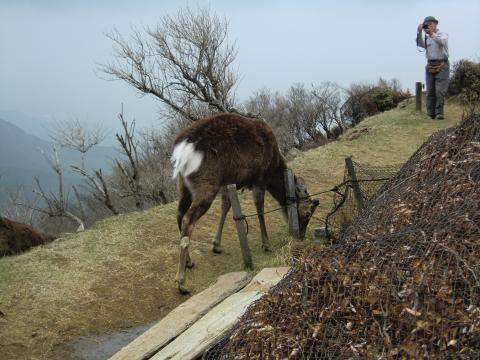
{"points": [[229, 149]]}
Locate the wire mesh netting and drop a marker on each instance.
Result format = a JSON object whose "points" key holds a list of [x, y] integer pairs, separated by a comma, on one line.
{"points": [[401, 282], [345, 204]]}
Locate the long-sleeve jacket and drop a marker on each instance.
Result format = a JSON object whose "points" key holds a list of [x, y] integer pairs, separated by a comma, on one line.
{"points": [[436, 47]]}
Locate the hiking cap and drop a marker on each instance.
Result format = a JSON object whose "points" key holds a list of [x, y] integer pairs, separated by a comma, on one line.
{"points": [[430, 18]]}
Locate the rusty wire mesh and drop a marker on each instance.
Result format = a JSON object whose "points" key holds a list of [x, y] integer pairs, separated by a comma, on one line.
{"points": [[370, 179], [401, 282]]}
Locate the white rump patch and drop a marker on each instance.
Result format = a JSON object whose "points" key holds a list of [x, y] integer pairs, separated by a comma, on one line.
{"points": [[186, 159]]}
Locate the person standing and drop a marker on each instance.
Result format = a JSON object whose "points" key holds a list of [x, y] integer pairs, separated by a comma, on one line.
{"points": [[437, 70]]}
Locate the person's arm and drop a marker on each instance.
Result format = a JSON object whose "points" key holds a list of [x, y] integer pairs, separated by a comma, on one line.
{"points": [[420, 40], [440, 38]]}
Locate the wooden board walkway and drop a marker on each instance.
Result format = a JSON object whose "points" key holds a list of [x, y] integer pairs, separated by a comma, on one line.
{"points": [[183, 316], [194, 326], [217, 322]]}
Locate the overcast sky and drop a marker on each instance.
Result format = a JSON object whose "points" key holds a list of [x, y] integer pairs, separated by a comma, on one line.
{"points": [[49, 48]]}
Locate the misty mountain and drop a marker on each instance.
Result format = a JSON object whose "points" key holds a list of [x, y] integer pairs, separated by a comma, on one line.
{"points": [[26, 123], [21, 159]]}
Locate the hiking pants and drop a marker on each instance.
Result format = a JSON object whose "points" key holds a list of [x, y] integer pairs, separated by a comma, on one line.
{"points": [[437, 86]]}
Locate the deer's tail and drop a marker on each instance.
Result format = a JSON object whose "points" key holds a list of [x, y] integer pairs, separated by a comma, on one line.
{"points": [[186, 159]]}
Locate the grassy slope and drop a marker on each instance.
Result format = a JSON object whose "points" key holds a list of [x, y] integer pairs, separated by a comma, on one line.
{"points": [[120, 273]]}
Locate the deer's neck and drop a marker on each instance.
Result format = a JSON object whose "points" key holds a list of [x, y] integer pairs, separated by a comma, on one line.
{"points": [[276, 187]]}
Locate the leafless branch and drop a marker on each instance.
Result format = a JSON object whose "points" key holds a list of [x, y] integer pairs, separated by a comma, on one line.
{"points": [[186, 62], [56, 205], [130, 168], [77, 135], [99, 187]]}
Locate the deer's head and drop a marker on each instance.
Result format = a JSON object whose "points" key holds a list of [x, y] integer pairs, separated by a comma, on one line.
{"points": [[306, 205]]}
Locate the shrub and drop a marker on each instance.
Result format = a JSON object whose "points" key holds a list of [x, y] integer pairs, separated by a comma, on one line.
{"points": [[465, 75], [465, 82], [367, 100]]}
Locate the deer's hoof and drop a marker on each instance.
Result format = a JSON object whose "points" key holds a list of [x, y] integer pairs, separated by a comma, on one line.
{"points": [[183, 290], [267, 247], [217, 249]]}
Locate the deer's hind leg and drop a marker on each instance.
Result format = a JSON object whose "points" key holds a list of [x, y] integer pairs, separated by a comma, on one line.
{"points": [[184, 202], [183, 205], [201, 202]]}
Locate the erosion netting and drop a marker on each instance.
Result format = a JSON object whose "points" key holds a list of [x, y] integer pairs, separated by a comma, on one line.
{"points": [[402, 281]]}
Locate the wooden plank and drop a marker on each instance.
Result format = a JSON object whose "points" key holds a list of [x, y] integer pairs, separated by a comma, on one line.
{"points": [[240, 223], [182, 317], [218, 321]]}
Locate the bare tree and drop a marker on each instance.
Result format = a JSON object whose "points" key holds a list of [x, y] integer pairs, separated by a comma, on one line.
{"points": [[329, 101], [186, 62], [18, 207], [301, 117], [304, 113], [98, 188], [156, 167], [274, 108], [76, 135], [57, 205], [130, 168]]}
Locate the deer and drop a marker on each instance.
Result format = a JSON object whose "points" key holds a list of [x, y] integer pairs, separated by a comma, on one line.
{"points": [[229, 149]]}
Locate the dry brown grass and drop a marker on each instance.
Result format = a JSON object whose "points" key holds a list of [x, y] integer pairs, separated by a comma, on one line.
{"points": [[120, 273]]}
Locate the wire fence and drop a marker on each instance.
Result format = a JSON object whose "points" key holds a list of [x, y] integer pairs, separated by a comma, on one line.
{"points": [[402, 281], [369, 179]]}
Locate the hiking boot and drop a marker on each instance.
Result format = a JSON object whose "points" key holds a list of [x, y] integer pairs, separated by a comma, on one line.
{"points": [[440, 117]]}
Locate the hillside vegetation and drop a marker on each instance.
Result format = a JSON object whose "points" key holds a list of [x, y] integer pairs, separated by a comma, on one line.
{"points": [[121, 272]]}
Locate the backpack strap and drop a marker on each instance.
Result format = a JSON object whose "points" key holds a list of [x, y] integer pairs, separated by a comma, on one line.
{"points": [[426, 47]]}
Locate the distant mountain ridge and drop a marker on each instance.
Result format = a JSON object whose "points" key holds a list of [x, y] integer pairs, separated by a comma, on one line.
{"points": [[27, 123], [21, 159]]}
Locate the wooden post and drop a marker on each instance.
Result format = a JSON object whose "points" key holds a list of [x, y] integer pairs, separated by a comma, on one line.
{"points": [[418, 95], [292, 210], [240, 223], [354, 182]]}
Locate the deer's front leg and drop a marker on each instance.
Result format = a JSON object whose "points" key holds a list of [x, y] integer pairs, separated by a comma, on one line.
{"points": [[259, 198], [218, 236]]}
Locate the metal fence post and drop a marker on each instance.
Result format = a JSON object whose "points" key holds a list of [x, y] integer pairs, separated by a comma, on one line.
{"points": [[240, 223]]}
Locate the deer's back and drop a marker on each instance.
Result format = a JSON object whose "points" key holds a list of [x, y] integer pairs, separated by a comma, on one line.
{"points": [[234, 149]]}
